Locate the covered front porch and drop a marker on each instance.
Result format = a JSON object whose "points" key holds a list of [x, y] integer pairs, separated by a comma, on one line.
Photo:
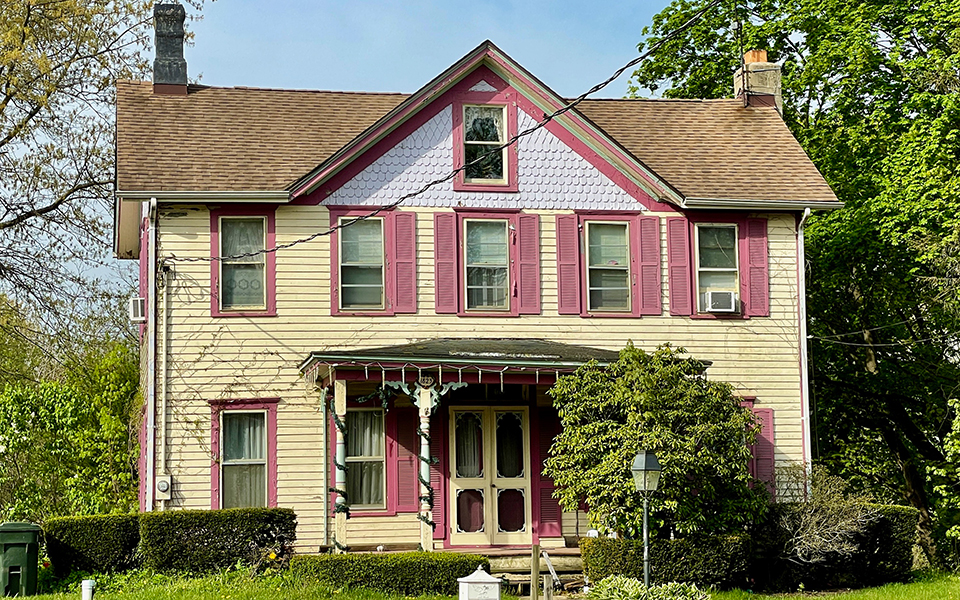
{"points": [[452, 432]]}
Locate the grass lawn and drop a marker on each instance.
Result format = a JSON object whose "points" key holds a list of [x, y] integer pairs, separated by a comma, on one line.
{"points": [[926, 587]]}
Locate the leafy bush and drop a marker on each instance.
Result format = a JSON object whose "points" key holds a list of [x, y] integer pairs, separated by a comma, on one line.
{"points": [[407, 573], [882, 553], [98, 543], [204, 540], [618, 587], [721, 561]]}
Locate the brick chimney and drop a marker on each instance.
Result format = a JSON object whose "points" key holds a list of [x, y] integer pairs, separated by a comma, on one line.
{"points": [[169, 67], [757, 82]]}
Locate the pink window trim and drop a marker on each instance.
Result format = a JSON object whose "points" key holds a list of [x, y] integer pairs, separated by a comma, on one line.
{"points": [[512, 232], [743, 265], [270, 213], [633, 240], [218, 407], [389, 260]]}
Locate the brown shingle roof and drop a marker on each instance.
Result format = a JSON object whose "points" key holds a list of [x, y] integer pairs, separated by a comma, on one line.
{"points": [[246, 139]]}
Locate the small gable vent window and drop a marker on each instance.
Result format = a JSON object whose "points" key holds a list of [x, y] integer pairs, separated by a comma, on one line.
{"points": [[483, 132]]}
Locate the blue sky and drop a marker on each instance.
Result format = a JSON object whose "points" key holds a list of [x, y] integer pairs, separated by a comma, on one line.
{"points": [[378, 45]]}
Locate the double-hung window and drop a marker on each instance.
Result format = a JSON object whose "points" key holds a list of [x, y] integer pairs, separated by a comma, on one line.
{"points": [[243, 461], [608, 266], [484, 129], [362, 279], [243, 276], [487, 264], [366, 442], [717, 262]]}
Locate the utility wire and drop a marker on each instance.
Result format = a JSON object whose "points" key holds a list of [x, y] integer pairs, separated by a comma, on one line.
{"points": [[546, 119], [886, 345], [860, 331]]}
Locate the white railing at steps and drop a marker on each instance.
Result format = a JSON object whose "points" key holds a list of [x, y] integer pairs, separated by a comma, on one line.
{"points": [[553, 572]]}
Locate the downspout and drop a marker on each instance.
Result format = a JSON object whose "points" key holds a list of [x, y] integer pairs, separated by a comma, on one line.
{"points": [[804, 361], [151, 353], [163, 377], [326, 468]]}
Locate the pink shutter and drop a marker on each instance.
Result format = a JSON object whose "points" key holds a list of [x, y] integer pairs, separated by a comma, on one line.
{"points": [[528, 268], [650, 299], [763, 450], [405, 262], [445, 263], [568, 265], [678, 266], [408, 486], [550, 523], [438, 474], [757, 301]]}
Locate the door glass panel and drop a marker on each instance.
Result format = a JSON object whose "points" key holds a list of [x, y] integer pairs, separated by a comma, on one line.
{"points": [[469, 444], [510, 511], [469, 511], [509, 444]]}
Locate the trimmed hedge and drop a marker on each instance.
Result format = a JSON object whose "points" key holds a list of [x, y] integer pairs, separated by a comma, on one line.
{"points": [[885, 555], [196, 541], [407, 573], [721, 561], [96, 543]]}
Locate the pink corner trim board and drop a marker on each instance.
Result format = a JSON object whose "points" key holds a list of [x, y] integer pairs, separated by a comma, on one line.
{"points": [[270, 259], [218, 407]]}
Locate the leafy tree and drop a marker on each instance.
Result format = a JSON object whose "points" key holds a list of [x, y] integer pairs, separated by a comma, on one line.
{"points": [[67, 448], [872, 91], [658, 401]]}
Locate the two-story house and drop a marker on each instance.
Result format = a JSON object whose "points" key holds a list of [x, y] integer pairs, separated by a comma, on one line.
{"points": [[355, 302]]}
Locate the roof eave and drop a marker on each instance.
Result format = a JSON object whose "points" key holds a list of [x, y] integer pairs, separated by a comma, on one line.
{"points": [[258, 196], [750, 204], [326, 358]]}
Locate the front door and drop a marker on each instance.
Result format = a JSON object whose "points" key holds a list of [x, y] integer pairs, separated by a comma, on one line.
{"points": [[490, 475]]}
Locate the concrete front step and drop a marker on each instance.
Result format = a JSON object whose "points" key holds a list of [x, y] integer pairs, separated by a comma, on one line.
{"points": [[521, 564]]}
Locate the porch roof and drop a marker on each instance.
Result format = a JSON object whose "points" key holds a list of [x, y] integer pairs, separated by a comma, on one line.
{"points": [[460, 353]]}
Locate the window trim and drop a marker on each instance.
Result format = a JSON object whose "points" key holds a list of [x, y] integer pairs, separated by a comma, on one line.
{"points": [[505, 180], [383, 269], [743, 259], [217, 408], [633, 233], [511, 216], [507, 98], [697, 268], [389, 260], [383, 459], [631, 277], [270, 260], [509, 228]]}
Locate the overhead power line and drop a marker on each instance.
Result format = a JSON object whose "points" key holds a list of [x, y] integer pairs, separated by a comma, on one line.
{"points": [[513, 140]]}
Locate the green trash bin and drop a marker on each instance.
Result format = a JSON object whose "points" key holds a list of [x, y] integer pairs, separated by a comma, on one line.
{"points": [[19, 555]]}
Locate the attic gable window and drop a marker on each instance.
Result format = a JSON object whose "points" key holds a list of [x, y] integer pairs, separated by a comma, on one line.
{"points": [[483, 131]]}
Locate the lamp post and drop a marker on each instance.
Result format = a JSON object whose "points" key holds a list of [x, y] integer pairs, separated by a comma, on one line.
{"points": [[646, 476]]}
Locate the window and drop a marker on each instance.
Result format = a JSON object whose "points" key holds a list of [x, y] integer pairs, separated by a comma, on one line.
{"points": [[487, 264], [483, 131], [361, 265], [366, 483], [717, 265], [243, 281], [608, 266], [242, 278], [244, 459]]}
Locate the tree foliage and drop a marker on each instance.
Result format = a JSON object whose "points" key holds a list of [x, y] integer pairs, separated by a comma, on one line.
{"points": [[871, 90], [67, 448], [662, 402]]}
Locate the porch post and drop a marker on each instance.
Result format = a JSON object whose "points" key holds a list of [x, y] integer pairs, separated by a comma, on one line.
{"points": [[425, 404], [340, 478]]}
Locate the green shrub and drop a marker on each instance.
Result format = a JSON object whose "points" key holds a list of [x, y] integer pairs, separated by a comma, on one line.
{"points": [[196, 541], [618, 587], [884, 554], [721, 561], [407, 573], [97, 543]]}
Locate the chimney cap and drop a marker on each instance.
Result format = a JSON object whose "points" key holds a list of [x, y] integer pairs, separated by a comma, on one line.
{"points": [[755, 56]]}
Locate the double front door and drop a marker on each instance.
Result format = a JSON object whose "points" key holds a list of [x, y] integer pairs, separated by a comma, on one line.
{"points": [[490, 475]]}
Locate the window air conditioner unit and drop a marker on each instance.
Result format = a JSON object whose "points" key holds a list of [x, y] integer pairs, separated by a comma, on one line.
{"points": [[138, 310], [722, 302]]}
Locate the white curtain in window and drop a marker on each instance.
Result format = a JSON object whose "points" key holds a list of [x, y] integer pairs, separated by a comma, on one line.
{"points": [[469, 445], [242, 278], [365, 438], [243, 458]]}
